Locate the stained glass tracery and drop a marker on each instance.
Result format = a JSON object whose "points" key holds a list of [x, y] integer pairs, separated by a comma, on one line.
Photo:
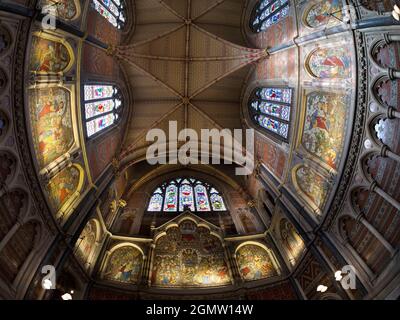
{"points": [[112, 10], [103, 105], [183, 194], [267, 13], [270, 109]]}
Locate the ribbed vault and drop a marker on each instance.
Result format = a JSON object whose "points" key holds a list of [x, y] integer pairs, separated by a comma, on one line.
{"points": [[182, 71]]}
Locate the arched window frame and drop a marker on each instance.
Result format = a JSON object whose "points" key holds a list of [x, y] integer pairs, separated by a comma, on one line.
{"points": [[117, 110], [284, 118], [267, 13], [111, 10], [211, 191]]}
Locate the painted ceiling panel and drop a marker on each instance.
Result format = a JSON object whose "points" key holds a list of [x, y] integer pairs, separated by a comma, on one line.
{"points": [[227, 114], [169, 45], [153, 12], [179, 6], [185, 63]]}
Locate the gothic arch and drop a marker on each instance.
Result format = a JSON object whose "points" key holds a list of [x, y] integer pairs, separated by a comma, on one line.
{"points": [[385, 54], [13, 207], [8, 167], [16, 254], [363, 242], [4, 125], [7, 39], [383, 89]]}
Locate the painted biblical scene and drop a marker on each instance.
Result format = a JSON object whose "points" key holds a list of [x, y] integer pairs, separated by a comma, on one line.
{"points": [[325, 126], [64, 9], [63, 186], [254, 263], [291, 240], [189, 256], [313, 185], [330, 63], [326, 13], [51, 123], [124, 265], [48, 56], [86, 242]]}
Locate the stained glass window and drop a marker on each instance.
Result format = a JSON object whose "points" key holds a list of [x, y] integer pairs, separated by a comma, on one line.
{"points": [[217, 202], [268, 12], [270, 109], [183, 194], [202, 203], [186, 200], [156, 203], [171, 198], [112, 10], [103, 105]]}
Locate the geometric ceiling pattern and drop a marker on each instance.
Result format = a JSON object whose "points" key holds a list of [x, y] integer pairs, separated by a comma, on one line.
{"points": [[182, 70]]}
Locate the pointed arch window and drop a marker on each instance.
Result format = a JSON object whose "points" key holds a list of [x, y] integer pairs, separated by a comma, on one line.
{"points": [[270, 110], [112, 10], [182, 194], [102, 107], [267, 13]]}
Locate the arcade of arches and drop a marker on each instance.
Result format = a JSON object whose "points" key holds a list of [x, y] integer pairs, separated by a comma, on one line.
{"points": [[83, 81]]}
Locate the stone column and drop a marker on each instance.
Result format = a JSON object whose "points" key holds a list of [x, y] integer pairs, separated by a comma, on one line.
{"points": [[375, 188], [387, 153], [376, 234]]}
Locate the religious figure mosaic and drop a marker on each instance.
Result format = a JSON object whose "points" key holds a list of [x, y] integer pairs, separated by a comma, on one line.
{"points": [[325, 126], [51, 123], [63, 186], [330, 63], [124, 265], [313, 185], [48, 56], [189, 256], [254, 263]]}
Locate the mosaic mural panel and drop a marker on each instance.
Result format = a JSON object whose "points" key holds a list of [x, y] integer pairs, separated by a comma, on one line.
{"points": [[254, 263], [86, 242], [51, 123], [329, 63], [313, 185], [189, 256], [291, 240], [66, 9], [63, 186], [48, 56], [320, 14], [124, 265], [325, 125]]}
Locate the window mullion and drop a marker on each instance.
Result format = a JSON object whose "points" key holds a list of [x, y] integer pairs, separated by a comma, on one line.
{"points": [[99, 116]]}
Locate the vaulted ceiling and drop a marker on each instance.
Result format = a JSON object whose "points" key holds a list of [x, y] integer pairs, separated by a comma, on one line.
{"points": [[185, 62]]}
